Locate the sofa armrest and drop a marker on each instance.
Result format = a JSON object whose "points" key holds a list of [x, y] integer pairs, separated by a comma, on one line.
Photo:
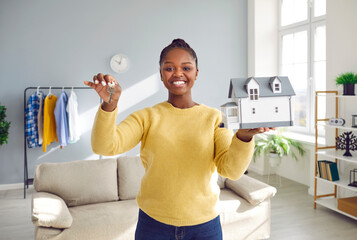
{"points": [[49, 210], [252, 190]]}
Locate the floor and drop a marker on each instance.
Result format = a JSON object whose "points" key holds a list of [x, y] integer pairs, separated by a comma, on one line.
{"points": [[293, 216]]}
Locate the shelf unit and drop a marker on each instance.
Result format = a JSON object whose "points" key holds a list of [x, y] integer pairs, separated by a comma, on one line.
{"points": [[330, 200]]}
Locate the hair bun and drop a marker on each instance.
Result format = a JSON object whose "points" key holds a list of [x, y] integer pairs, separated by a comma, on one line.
{"points": [[178, 42]]}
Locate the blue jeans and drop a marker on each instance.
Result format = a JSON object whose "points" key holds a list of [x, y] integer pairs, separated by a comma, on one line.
{"points": [[150, 229]]}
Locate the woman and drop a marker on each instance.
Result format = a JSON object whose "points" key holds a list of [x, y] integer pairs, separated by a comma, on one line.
{"points": [[182, 146]]}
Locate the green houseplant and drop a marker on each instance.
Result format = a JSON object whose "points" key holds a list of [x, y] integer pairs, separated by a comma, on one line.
{"points": [[348, 80], [277, 146], [4, 126]]}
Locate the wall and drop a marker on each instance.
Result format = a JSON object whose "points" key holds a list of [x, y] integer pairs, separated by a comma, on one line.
{"points": [[63, 43]]}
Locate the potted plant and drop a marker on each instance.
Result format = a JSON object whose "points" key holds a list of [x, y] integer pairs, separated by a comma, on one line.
{"points": [[4, 126], [277, 146], [348, 80]]}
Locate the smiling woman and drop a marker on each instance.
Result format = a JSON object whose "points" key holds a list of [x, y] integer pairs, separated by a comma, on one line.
{"points": [[182, 148]]}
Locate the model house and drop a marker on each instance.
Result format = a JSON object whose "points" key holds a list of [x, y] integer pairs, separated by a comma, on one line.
{"points": [[258, 102]]}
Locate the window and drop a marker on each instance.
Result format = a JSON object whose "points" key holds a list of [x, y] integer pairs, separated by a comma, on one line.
{"points": [[277, 87], [253, 110], [232, 112], [302, 41], [253, 94]]}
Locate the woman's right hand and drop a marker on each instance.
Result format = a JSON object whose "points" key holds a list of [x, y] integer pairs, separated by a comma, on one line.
{"points": [[100, 85]]}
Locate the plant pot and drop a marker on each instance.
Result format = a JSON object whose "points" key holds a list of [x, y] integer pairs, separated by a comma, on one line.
{"points": [[349, 89], [274, 160]]}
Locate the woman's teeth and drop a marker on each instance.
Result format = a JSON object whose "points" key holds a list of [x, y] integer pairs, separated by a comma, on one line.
{"points": [[178, 83]]}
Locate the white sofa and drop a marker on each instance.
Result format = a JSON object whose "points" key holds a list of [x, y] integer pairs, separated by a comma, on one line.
{"points": [[95, 200]]}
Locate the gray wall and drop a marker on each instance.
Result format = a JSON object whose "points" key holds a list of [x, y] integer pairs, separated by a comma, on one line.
{"points": [[63, 43]]}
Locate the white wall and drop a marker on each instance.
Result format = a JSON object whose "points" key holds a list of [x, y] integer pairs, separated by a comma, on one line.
{"points": [[63, 43]]}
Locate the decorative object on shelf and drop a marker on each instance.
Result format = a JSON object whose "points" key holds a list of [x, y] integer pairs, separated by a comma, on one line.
{"points": [[348, 80], [353, 180], [336, 121], [348, 205], [347, 141], [277, 144], [4, 126], [354, 121], [119, 63]]}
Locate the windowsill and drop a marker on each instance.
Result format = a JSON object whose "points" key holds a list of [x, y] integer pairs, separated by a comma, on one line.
{"points": [[303, 138]]}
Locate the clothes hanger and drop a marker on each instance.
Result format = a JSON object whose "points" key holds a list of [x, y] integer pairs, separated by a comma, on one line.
{"points": [[49, 92], [38, 90], [62, 89]]}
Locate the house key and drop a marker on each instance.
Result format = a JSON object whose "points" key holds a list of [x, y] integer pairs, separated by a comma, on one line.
{"points": [[111, 90]]}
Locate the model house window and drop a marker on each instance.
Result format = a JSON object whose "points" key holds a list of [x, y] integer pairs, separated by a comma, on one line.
{"points": [[232, 112], [253, 94], [302, 43], [276, 109], [253, 110], [277, 87]]}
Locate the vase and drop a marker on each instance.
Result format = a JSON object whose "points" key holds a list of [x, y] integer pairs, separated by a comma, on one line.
{"points": [[274, 159], [349, 89]]}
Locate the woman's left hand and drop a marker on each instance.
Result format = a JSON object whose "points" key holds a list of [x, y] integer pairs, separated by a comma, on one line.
{"points": [[247, 134]]}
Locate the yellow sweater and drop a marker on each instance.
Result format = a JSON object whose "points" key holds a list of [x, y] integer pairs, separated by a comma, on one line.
{"points": [[49, 121], [181, 149]]}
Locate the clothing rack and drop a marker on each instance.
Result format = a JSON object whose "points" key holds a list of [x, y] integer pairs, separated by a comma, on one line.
{"points": [[28, 181]]}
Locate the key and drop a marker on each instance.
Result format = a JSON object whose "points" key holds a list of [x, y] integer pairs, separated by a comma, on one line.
{"points": [[111, 90]]}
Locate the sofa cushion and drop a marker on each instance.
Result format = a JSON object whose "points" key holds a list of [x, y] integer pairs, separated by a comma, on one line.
{"points": [[220, 181], [130, 172], [79, 182], [49, 210], [111, 220], [251, 189]]}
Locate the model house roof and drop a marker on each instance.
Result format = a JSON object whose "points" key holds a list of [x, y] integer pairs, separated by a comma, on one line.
{"points": [[230, 104], [238, 86]]}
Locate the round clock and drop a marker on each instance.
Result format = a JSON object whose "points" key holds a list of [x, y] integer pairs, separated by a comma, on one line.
{"points": [[119, 63]]}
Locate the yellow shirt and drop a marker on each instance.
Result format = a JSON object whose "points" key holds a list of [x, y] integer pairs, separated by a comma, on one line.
{"points": [[49, 121], [181, 149]]}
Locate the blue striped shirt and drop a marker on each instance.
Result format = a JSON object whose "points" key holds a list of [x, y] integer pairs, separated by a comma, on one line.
{"points": [[31, 112]]}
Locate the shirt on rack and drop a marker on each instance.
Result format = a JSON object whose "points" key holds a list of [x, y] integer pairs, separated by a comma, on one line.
{"points": [[61, 119], [40, 118], [73, 118], [31, 114], [49, 122]]}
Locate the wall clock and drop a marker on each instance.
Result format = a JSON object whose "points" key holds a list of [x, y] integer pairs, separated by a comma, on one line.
{"points": [[119, 63]]}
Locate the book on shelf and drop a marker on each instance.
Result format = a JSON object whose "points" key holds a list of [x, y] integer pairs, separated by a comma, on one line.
{"points": [[328, 170]]}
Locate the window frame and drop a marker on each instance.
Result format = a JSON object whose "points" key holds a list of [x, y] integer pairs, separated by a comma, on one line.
{"points": [[309, 25]]}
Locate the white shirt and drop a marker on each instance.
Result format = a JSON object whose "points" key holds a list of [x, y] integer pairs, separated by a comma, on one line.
{"points": [[73, 118]]}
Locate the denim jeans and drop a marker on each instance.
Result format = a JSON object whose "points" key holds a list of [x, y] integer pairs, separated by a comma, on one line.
{"points": [[150, 229]]}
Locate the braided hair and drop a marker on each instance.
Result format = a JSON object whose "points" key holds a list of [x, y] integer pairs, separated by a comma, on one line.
{"points": [[178, 43]]}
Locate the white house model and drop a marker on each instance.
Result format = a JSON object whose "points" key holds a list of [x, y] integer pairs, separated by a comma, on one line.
{"points": [[258, 102]]}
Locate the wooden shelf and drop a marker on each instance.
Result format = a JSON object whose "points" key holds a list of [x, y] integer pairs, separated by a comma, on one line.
{"points": [[330, 152], [324, 124], [336, 96], [331, 203], [338, 154], [341, 183]]}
